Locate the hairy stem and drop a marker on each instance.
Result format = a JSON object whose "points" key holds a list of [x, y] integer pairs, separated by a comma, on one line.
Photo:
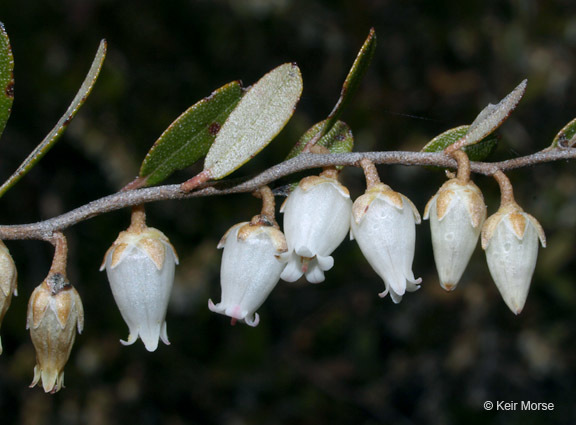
{"points": [[45, 229], [370, 172], [60, 254]]}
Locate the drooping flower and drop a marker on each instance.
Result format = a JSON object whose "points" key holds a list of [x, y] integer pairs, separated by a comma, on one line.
{"points": [[510, 239], [250, 269], [140, 267], [316, 221], [384, 225], [457, 213], [55, 312], [7, 282]]}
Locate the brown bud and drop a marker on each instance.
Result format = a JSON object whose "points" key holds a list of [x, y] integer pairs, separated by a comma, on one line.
{"points": [[7, 282], [54, 313]]}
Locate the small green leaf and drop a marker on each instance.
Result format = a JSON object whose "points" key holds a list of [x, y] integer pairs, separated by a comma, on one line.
{"points": [[353, 79], [6, 78], [259, 116], [476, 152], [492, 116], [62, 123], [566, 137], [338, 140], [190, 136]]}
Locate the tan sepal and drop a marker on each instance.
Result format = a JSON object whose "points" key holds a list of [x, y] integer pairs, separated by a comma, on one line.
{"points": [[222, 241], [276, 236], [428, 207], [80, 308], [539, 229], [155, 250], [518, 224], [37, 305], [417, 217], [489, 228], [308, 182], [476, 207], [117, 254]]}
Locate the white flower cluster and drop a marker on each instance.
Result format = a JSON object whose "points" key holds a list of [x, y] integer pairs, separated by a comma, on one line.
{"points": [[318, 215]]}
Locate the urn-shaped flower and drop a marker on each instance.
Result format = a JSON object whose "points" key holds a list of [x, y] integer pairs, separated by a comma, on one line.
{"points": [[457, 213], [384, 225], [55, 313], [7, 282], [510, 239], [140, 267], [250, 269], [316, 221]]}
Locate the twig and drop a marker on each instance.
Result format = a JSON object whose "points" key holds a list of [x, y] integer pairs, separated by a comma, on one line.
{"points": [[44, 229]]}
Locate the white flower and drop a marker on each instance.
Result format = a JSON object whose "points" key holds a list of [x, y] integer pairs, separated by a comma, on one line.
{"points": [[384, 225], [456, 214], [316, 221], [250, 270], [140, 267], [55, 312], [7, 282], [510, 238]]}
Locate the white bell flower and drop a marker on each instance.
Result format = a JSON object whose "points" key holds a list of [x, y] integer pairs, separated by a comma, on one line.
{"points": [[140, 267], [510, 239], [457, 213], [384, 225], [250, 270], [316, 220]]}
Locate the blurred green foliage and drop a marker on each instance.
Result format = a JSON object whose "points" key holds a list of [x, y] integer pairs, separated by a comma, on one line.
{"points": [[330, 353]]}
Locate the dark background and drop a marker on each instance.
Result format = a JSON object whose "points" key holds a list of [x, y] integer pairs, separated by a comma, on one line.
{"points": [[332, 353]]}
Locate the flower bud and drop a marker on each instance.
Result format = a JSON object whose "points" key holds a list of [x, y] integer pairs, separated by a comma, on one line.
{"points": [[140, 267], [250, 270], [316, 221], [510, 239], [456, 215], [7, 282], [55, 312], [384, 225]]}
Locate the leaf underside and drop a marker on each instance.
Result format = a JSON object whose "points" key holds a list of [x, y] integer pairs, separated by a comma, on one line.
{"points": [[492, 116], [259, 116], [477, 152], [191, 135], [6, 78]]}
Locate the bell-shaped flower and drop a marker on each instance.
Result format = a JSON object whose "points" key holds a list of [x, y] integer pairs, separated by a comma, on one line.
{"points": [[140, 267], [316, 221], [510, 239], [250, 270], [55, 313], [457, 213], [384, 225], [7, 282]]}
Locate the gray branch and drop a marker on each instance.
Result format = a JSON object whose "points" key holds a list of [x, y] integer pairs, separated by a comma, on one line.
{"points": [[44, 229]]}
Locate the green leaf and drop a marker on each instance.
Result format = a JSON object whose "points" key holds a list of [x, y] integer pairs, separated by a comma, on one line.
{"points": [[259, 116], [338, 140], [353, 79], [62, 123], [477, 152], [566, 137], [190, 136], [6, 78]]}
